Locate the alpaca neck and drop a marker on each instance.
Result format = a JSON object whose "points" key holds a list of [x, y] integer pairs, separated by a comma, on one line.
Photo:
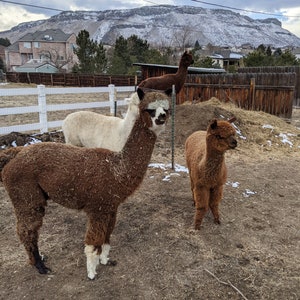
{"points": [[182, 71], [213, 159], [138, 149]]}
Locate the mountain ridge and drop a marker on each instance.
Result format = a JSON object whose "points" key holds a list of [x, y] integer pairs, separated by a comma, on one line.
{"points": [[166, 25]]}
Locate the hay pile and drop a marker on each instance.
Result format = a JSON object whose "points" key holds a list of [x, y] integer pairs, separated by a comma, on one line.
{"points": [[258, 132]]}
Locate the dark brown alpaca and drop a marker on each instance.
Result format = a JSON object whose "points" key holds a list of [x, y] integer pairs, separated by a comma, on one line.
{"points": [[94, 180], [166, 81], [205, 158]]}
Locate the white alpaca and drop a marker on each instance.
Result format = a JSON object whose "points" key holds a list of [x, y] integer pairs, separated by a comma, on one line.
{"points": [[93, 130]]}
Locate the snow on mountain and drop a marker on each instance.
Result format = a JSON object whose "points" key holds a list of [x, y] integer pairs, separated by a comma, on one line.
{"points": [[166, 25]]}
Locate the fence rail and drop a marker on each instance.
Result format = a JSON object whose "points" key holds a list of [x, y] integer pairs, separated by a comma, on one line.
{"points": [[42, 107], [71, 79]]}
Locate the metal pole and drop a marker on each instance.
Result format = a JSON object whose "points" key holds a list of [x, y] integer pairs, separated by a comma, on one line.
{"points": [[173, 124]]}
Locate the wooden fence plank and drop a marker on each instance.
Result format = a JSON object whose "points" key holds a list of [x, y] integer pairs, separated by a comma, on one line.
{"points": [[269, 92]]}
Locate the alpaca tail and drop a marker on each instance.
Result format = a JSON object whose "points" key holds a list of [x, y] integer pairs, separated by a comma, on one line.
{"points": [[6, 156]]}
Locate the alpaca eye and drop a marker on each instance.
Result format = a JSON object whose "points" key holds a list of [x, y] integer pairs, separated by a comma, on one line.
{"points": [[166, 111], [151, 112], [219, 137]]}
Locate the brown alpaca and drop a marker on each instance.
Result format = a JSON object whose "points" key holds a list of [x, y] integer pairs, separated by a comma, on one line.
{"points": [[94, 180], [205, 158], [166, 81]]}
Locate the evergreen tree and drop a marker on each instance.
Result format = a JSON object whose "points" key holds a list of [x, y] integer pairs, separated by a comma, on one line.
{"points": [[121, 59], [84, 52], [269, 51], [5, 42], [287, 59], [255, 59], [197, 46], [260, 57], [206, 62], [153, 56], [100, 60], [137, 48], [91, 55], [261, 48]]}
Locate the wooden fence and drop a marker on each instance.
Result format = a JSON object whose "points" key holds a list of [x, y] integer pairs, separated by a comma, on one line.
{"points": [[273, 93], [290, 69], [271, 89], [71, 79], [42, 107]]}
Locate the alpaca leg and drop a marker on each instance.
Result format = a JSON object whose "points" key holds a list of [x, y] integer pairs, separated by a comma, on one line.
{"points": [[96, 243], [201, 197], [192, 188], [104, 260], [214, 200], [30, 219], [92, 260]]}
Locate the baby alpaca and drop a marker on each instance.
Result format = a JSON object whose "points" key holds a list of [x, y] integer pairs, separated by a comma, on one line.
{"points": [[205, 158], [94, 180], [92, 130], [166, 81]]}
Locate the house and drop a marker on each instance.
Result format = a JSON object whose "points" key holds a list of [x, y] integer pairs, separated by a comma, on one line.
{"points": [[225, 59], [296, 52], [51, 45], [37, 66]]}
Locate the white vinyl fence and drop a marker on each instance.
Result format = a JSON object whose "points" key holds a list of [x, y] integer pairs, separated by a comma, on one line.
{"points": [[42, 107]]}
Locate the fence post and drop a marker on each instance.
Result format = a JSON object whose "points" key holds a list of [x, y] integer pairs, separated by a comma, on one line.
{"points": [[252, 94], [43, 108], [112, 99], [173, 126]]}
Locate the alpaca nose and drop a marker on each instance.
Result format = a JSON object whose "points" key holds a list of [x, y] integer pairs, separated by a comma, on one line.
{"points": [[161, 119]]}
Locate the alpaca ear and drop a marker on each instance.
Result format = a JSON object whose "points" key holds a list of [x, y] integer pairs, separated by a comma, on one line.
{"points": [[213, 124], [140, 93]]}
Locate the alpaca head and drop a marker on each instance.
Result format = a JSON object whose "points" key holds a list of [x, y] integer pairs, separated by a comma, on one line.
{"points": [[154, 109], [221, 135], [186, 59]]}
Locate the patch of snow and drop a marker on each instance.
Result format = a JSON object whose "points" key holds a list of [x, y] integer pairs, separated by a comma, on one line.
{"points": [[248, 193], [233, 184], [268, 126]]}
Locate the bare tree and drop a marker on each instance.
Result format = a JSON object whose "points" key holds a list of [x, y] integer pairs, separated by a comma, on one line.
{"points": [[183, 37], [52, 55]]}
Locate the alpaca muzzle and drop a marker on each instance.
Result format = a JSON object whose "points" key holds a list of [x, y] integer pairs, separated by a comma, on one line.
{"points": [[161, 119]]}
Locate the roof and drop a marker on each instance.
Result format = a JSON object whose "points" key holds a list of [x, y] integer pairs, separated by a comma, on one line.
{"points": [[13, 47], [50, 35], [191, 70], [227, 55], [35, 65]]}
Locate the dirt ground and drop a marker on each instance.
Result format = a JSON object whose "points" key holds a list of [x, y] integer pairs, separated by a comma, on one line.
{"points": [[253, 254]]}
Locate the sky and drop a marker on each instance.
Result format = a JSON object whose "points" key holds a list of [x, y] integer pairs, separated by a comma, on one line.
{"points": [[14, 12]]}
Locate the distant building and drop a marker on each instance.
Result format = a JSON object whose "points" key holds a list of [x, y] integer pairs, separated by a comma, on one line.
{"points": [[226, 58], [37, 66], [296, 52], [52, 46]]}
